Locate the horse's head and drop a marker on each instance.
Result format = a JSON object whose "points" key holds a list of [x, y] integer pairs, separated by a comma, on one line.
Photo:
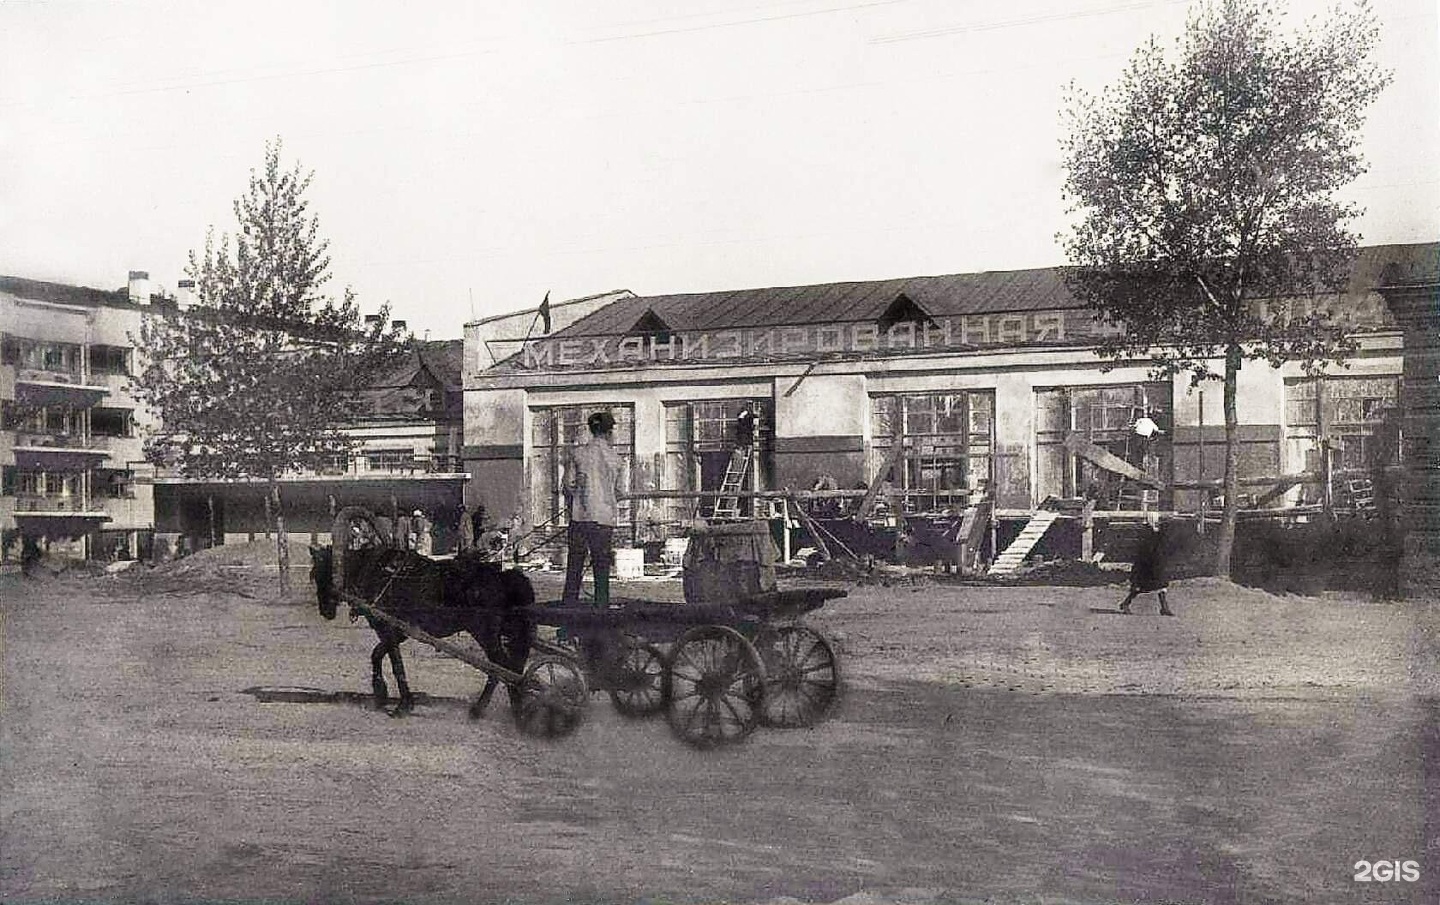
{"points": [[322, 572]]}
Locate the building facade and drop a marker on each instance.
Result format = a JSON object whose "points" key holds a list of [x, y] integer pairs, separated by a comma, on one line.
{"points": [[947, 389], [73, 479], [73, 474], [406, 457]]}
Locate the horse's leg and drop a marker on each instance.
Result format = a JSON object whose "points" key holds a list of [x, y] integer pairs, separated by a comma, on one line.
{"points": [[377, 678], [397, 666]]}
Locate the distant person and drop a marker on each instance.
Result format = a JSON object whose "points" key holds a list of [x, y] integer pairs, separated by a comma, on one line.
{"points": [[592, 488], [422, 537], [30, 554], [384, 532], [745, 426], [467, 531], [1151, 569]]}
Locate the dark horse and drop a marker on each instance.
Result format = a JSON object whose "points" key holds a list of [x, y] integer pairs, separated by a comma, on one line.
{"points": [[439, 597]]}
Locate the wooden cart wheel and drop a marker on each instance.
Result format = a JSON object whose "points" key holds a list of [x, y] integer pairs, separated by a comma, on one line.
{"points": [[356, 526], [715, 686], [553, 698], [802, 675], [638, 678]]}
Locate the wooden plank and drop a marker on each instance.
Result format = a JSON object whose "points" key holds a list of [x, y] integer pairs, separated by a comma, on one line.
{"points": [[445, 647], [872, 493], [1098, 455], [1279, 490], [813, 529]]}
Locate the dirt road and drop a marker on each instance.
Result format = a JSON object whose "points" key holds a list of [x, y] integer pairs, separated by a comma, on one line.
{"points": [[1017, 744]]}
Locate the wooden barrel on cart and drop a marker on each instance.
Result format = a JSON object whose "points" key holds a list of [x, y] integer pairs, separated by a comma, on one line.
{"points": [[730, 561]]}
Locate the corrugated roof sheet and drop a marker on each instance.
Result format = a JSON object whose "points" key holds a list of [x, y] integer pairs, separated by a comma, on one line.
{"points": [[951, 295]]}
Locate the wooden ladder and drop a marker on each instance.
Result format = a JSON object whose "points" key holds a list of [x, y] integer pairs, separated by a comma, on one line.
{"points": [[1020, 547], [728, 507]]}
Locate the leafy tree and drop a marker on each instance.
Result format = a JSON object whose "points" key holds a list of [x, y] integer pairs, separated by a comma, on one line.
{"points": [[257, 377], [1207, 185]]}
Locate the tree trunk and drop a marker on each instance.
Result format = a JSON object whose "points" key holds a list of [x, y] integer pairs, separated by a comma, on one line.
{"points": [[282, 542], [1226, 546]]}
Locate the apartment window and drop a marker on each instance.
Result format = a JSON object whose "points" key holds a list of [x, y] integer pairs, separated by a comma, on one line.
{"points": [[107, 422], [401, 459], [115, 484], [109, 360], [552, 430], [38, 419], [45, 356], [948, 445]]}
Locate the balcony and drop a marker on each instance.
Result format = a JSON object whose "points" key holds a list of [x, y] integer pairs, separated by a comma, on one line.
{"points": [[37, 386], [59, 512], [56, 451], [359, 468], [413, 465]]}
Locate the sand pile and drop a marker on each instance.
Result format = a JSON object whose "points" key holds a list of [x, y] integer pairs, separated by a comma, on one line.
{"points": [[248, 569]]}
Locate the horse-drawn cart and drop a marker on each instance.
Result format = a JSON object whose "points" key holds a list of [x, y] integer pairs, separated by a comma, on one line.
{"points": [[734, 656], [717, 670]]}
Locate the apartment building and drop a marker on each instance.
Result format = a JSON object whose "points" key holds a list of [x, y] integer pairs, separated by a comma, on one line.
{"points": [[74, 481], [72, 472]]}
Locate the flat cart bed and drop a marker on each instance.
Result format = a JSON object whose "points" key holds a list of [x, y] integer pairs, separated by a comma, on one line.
{"points": [[639, 614]]}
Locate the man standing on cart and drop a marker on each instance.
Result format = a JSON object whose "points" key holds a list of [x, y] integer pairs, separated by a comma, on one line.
{"points": [[592, 488]]}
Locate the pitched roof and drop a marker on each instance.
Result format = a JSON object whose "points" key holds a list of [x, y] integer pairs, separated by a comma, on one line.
{"points": [[952, 295], [936, 296], [442, 358]]}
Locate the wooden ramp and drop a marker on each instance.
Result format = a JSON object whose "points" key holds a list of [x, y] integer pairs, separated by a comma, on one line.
{"points": [[1010, 560]]}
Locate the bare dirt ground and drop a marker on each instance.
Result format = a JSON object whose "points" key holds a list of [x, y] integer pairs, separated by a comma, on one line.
{"points": [[1019, 744]]}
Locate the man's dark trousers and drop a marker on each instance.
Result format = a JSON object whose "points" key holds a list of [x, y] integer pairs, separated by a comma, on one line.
{"points": [[594, 539]]}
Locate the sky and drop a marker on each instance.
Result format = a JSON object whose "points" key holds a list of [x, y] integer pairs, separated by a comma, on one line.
{"points": [[468, 158]]}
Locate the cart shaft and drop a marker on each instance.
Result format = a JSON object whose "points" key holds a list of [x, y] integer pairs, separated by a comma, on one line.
{"points": [[445, 647]]}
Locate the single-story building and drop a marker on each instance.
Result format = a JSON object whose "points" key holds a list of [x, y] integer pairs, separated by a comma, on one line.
{"points": [[949, 389]]}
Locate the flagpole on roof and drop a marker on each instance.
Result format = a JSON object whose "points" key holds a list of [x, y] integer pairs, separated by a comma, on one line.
{"points": [[542, 311]]}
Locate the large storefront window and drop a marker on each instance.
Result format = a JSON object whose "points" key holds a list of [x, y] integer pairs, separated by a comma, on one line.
{"points": [[1347, 410], [948, 439], [552, 430], [1105, 416], [700, 438]]}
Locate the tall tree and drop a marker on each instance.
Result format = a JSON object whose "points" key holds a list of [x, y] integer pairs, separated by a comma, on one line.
{"points": [[257, 377], [1204, 185]]}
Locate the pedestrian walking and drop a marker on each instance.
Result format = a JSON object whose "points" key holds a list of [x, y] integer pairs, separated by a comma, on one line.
{"points": [[1151, 569]]}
